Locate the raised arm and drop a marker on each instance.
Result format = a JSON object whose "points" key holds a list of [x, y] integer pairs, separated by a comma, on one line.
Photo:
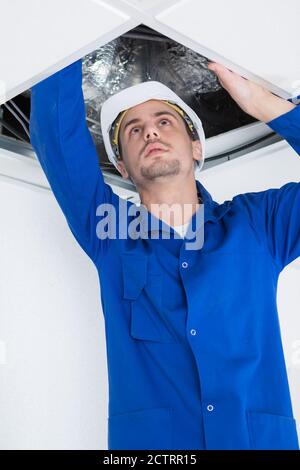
{"points": [[67, 154], [275, 213]]}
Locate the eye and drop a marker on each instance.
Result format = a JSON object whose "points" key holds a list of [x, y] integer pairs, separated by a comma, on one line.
{"points": [[133, 129]]}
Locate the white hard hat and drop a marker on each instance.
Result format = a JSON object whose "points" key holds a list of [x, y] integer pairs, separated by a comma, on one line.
{"points": [[137, 94]]}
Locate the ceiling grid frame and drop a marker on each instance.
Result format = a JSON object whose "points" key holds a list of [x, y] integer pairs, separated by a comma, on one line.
{"points": [[169, 17]]}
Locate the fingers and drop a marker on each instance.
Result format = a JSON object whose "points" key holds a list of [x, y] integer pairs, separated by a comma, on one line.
{"points": [[226, 77], [219, 70]]}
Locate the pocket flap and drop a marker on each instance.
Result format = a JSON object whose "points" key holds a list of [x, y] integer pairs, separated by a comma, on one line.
{"points": [[134, 268], [272, 432]]}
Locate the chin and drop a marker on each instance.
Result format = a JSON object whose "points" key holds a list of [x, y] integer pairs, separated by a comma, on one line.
{"points": [[160, 169]]}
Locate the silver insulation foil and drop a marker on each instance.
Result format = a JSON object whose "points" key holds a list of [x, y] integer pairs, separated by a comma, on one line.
{"points": [[127, 61]]}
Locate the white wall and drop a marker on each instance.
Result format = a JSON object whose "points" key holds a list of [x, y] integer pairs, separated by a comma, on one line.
{"points": [[53, 387], [53, 372]]}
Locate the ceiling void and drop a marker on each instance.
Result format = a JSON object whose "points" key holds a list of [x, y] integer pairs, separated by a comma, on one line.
{"points": [[143, 54]]}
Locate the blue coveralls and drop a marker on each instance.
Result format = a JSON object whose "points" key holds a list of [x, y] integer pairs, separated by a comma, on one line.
{"points": [[195, 358]]}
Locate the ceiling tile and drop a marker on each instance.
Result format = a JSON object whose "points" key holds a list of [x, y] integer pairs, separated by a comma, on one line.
{"points": [[144, 4], [258, 39], [38, 38]]}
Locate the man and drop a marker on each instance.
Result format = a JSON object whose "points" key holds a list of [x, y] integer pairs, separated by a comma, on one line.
{"points": [[195, 359]]}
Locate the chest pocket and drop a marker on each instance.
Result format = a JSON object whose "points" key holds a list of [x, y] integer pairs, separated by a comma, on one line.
{"points": [[143, 284]]}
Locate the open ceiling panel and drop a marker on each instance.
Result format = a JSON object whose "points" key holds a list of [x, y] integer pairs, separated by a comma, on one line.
{"points": [[257, 39]]}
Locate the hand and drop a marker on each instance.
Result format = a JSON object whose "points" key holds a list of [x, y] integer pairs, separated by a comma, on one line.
{"points": [[251, 97]]}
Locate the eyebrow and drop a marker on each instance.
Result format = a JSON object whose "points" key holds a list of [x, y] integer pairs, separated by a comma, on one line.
{"points": [[158, 113]]}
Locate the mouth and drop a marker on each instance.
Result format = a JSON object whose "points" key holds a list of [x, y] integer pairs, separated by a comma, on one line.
{"points": [[153, 150]]}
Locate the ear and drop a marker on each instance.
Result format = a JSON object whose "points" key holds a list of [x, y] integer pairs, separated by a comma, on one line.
{"points": [[122, 169], [197, 150]]}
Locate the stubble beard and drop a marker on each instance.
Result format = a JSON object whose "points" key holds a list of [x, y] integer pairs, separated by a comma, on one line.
{"points": [[161, 168]]}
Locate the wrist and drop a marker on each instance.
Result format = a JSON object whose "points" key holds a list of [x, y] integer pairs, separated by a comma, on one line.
{"points": [[271, 107]]}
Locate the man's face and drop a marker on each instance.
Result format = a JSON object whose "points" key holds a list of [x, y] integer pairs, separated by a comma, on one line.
{"points": [[154, 122]]}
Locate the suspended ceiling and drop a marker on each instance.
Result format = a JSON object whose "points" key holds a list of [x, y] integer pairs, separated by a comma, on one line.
{"points": [[259, 40]]}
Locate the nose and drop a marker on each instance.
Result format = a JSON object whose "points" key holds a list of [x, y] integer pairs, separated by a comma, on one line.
{"points": [[151, 132]]}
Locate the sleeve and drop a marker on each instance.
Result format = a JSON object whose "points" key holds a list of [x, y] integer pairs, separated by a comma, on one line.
{"points": [[67, 154], [275, 213], [288, 126]]}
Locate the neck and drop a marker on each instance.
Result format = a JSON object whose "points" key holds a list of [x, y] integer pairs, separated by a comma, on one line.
{"points": [[173, 203]]}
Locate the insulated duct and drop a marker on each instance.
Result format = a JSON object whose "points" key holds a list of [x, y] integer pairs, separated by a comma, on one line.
{"points": [[141, 55]]}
